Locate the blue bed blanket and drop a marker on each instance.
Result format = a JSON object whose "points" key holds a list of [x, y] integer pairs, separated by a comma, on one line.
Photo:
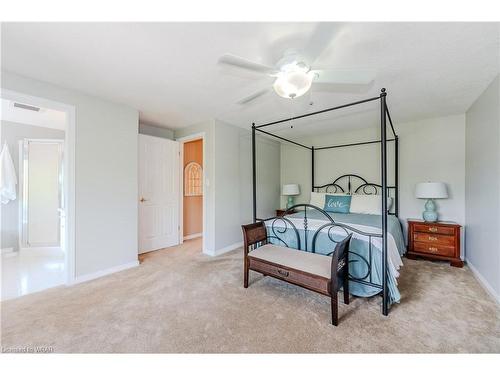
{"points": [[363, 250]]}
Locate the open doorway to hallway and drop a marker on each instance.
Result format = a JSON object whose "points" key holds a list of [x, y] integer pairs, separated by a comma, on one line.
{"points": [[193, 199], [193, 189], [35, 234]]}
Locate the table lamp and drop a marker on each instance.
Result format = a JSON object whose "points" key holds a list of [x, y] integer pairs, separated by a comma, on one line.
{"points": [[431, 191], [290, 190]]}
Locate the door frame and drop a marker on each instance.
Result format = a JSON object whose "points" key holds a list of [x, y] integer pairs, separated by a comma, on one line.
{"points": [[69, 170], [182, 140]]}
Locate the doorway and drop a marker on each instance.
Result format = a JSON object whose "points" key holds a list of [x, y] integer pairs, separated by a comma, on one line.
{"points": [[192, 168], [193, 189], [37, 225]]}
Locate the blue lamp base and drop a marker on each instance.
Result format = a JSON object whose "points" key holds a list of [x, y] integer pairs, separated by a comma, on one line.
{"points": [[290, 202], [430, 214]]}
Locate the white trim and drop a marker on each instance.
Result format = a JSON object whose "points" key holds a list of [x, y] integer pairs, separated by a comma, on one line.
{"points": [[484, 283], [182, 140], [193, 236], [108, 271], [226, 249], [7, 250], [69, 169]]}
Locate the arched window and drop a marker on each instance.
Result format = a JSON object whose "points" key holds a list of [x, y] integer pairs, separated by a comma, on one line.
{"points": [[193, 176]]}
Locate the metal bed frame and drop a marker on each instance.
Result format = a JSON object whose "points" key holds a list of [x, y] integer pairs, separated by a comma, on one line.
{"points": [[384, 116]]}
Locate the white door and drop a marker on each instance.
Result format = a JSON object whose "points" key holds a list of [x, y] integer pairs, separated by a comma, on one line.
{"points": [[158, 193], [42, 192]]}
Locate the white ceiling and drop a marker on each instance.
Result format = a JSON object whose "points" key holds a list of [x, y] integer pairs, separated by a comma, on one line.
{"points": [[169, 71], [45, 117]]}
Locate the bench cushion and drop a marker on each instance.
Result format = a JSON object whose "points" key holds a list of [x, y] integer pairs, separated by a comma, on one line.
{"points": [[315, 264]]}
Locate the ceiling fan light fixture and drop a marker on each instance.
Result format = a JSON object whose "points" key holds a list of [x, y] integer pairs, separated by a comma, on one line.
{"points": [[292, 84]]}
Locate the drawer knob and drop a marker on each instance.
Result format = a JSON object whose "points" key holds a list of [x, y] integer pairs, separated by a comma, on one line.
{"points": [[283, 272], [433, 229], [433, 249], [431, 238]]}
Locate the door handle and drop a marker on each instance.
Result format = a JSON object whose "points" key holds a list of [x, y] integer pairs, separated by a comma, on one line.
{"points": [[282, 272], [143, 200]]}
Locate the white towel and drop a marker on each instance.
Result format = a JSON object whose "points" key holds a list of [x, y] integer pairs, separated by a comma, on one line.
{"points": [[8, 178]]}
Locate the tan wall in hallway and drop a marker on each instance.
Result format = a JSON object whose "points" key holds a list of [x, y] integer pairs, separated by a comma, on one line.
{"points": [[193, 206]]}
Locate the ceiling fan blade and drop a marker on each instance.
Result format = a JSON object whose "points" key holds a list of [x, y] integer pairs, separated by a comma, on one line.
{"points": [[253, 96], [243, 63], [321, 38], [345, 77]]}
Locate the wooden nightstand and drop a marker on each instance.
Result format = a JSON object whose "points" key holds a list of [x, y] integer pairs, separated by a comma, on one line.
{"points": [[281, 211], [438, 241]]}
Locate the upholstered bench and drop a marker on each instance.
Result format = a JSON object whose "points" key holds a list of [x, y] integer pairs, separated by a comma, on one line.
{"points": [[316, 272]]}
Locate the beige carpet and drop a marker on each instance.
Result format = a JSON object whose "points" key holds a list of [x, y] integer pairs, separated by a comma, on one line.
{"points": [[179, 300]]}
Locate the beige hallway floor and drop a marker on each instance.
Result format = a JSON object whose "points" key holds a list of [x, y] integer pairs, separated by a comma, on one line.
{"points": [[179, 300]]}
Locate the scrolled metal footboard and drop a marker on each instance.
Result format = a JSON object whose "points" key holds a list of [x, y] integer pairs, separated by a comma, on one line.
{"points": [[278, 230]]}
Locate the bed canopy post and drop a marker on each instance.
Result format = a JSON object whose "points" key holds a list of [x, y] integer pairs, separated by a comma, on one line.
{"points": [[396, 175], [383, 148], [254, 174], [312, 168], [384, 116]]}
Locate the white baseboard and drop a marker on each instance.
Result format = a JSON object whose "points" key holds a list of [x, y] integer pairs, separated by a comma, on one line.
{"points": [[485, 284], [225, 249], [192, 236], [108, 271]]}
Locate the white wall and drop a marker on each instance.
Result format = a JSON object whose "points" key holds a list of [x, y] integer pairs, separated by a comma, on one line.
{"points": [[483, 187], [228, 189], [227, 186], [329, 164], [156, 131], [431, 149], [268, 176], [105, 174]]}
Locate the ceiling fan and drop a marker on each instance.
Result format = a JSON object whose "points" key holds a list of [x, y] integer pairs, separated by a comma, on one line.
{"points": [[293, 72]]}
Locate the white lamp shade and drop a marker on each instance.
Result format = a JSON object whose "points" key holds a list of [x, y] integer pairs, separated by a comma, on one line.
{"points": [[291, 189], [431, 190]]}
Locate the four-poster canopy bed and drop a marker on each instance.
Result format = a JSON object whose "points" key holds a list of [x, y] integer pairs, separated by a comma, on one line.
{"points": [[374, 255]]}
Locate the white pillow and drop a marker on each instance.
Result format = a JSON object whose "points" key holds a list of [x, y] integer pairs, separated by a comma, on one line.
{"points": [[368, 204], [318, 199]]}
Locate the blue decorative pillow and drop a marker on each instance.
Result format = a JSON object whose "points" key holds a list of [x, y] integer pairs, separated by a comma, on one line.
{"points": [[337, 203]]}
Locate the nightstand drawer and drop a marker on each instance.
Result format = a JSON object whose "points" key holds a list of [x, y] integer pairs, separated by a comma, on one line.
{"points": [[429, 228], [443, 250], [437, 239]]}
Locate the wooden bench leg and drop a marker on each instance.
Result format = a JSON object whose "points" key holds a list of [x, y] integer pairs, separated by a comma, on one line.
{"points": [[335, 309], [346, 291], [246, 271]]}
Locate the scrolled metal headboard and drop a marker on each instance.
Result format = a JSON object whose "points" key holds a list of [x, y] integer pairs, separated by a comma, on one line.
{"points": [[351, 184], [355, 184]]}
